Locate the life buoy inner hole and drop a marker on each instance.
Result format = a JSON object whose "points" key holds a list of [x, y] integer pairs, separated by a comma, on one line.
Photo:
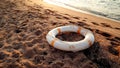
{"points": [[70, 36]]}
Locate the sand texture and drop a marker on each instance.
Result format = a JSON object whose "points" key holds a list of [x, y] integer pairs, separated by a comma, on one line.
{"points": [[23, 28]]}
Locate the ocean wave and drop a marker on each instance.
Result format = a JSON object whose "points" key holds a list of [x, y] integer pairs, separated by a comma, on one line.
{"points": [[106, 8]]}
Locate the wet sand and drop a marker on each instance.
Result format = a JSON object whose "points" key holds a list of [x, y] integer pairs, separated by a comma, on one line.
{"points": [[23, 28]]}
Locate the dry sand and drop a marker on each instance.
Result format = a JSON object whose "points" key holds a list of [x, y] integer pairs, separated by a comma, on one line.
{"points": [[24, 25]]}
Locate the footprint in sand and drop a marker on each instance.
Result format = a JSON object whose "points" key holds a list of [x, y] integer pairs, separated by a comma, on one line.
{"points": [[113, 39], [67, 14], [95, 23], [29, 52], [115, 44], [103, 33], [38, 32], [49, 12], [62, 17], [105, 25], [15, 54], [67, 18], [58, 17], [118, 38], [17, 31], [112, 50], [84, 20], [88, 28], [80, 23], [78, 18], [72, 22], [29, 44], [1, 44], [117, 28], [35, 41], [38, 58], [2, 55]]}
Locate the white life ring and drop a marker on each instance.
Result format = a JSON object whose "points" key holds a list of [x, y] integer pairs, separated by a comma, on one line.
{"points": [[70, 46]]}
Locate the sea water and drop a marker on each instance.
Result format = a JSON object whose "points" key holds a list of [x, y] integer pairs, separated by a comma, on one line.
{"points": [[106, 8]]}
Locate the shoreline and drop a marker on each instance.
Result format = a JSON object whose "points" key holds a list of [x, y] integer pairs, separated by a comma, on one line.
{"points": [[81, 11]]}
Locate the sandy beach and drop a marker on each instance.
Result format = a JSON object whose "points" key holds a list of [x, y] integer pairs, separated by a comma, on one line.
{"points": [[23, 29]]}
